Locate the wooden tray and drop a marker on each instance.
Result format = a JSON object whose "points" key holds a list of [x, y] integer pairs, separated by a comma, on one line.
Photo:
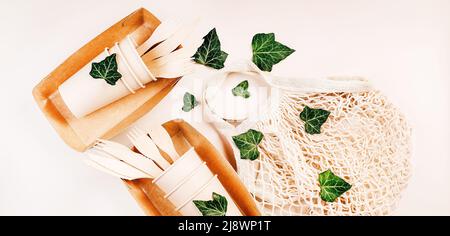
{"points": [[110, 120], [184, 136]]}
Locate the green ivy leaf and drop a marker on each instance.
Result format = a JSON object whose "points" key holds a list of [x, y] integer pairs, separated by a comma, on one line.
{"points": [[189, 102], [106, 69], [209, 53], [314, 119], [215, 207], [332, 186], [247, 143], [241, 89], [268, 52]]}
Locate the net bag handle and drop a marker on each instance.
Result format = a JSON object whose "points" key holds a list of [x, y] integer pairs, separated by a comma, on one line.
{"points": [[276, 85]]}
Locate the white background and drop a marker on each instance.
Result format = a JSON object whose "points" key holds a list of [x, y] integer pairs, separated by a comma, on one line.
{"points": [[402, 46]]}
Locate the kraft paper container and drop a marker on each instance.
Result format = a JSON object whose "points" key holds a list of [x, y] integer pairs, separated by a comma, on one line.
{"points": [[105, 123], [184, 137]]}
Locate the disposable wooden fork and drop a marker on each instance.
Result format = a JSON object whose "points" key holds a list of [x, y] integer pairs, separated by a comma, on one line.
{"points": [[145, 145], [123, 154], [159, 136]]}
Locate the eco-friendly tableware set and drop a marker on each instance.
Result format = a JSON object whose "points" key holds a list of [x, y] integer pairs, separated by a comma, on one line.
{"points": [[300, 146], [187, 179], [111, 82]]}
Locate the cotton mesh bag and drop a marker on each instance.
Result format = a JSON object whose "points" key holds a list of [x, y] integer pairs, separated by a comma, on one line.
{"points": [[365, 141]]}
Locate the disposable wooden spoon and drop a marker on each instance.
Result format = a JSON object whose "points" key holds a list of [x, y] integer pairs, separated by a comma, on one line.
{"points": [[174, 70], [171, 43], [184, 53], [161, 33]]}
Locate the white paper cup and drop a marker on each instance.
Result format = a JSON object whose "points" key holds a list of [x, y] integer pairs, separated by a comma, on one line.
{"points": [[178, 171], [83, 94], [129, 78], [205, 194], [135, 61], [191, 185], [97, 93]]}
